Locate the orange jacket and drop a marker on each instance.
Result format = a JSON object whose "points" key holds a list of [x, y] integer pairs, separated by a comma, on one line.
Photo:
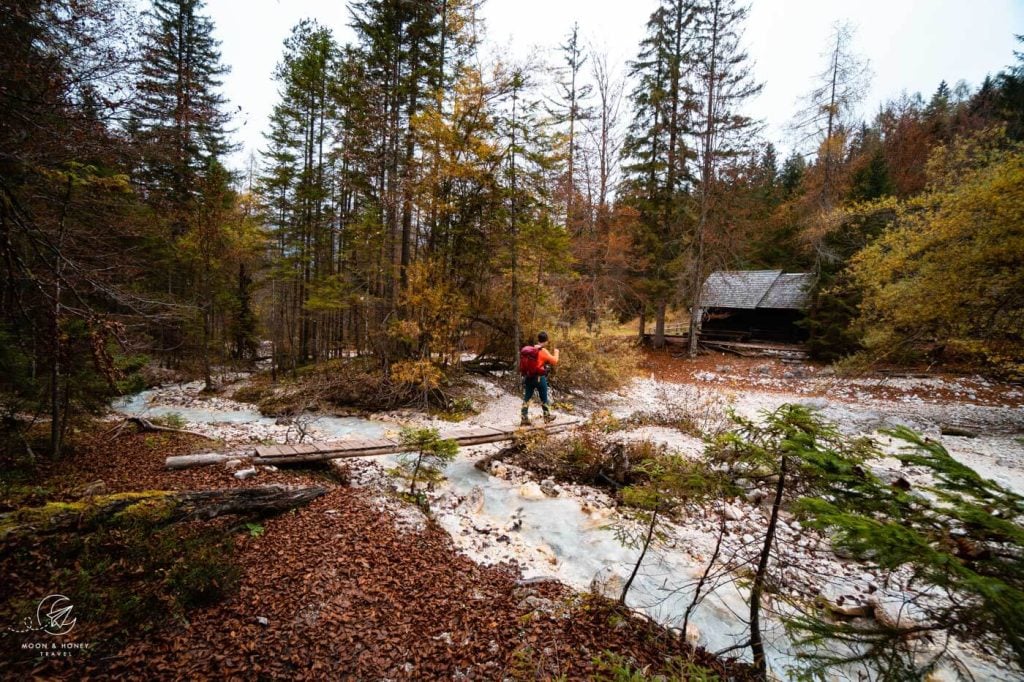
{"points": [[546, 358]]}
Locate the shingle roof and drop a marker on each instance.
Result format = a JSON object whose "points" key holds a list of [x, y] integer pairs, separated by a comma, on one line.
{"points": [[749, 289], [790, 291]]}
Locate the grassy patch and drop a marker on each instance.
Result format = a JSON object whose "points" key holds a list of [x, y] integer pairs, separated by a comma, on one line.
{"points": [[171, 420]]}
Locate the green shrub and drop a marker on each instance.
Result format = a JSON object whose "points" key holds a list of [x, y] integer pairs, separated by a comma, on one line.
{"points": [[172, 420], [612, 667]]}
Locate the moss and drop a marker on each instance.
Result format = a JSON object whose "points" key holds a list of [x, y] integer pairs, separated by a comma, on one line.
{"points": [[40, 516], [43, 517], [149, 511]]}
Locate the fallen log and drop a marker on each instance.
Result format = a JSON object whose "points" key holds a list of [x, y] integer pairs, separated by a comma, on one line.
{"points": [[155, 507], [953, 430], [204, 459], [146, 426]]}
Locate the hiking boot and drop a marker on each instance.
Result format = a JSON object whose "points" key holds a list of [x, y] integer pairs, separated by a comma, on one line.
{"points": [[548, 418]]}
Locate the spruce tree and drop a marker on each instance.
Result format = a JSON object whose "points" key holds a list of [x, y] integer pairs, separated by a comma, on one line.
{"points": [[298, 184], [179, 112], [723, 133], [656, 153], [180, 125], [570, 110]]}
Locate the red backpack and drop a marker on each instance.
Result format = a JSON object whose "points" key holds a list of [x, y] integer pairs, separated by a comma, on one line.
{"points": [[529, 362]]}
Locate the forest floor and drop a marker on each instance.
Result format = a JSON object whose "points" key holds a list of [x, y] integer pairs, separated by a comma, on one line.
{"points": [[360, 584], [338, 589]]}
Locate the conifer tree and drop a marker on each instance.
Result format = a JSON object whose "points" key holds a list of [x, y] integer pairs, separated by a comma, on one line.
{"points": [[571, 110], [656, 153], [723, 132], [179, 112], [298, 184]]}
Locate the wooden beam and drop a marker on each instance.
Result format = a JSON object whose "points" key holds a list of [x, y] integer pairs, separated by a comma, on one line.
{"points": [[360, 447]]}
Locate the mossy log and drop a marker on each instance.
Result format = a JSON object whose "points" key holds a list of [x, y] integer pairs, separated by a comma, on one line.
{"points": [[153, 507]]}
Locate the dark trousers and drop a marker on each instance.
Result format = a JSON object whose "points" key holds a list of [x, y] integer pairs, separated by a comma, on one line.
{"points": [[538, 384]]}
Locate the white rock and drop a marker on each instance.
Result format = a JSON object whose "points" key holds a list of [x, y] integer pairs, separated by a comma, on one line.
{"points": [[474, 502], [840, 599], [548, 487], [262, 620], [232, 464], [755, 496], [598, 517], [607, 583], [531, 491], [243, 474], [732, 513], [893, 613]]}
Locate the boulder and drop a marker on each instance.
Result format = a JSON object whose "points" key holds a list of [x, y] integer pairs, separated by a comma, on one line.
{"points": [[755, 496], [840, 599], [607, 583], [474, 502], [548, 487], [732, 513], [535, 603], [892, 613], [531, 491]]}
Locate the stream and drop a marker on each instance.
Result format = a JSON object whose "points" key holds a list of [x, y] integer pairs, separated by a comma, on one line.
{"points": [[570, 536]]}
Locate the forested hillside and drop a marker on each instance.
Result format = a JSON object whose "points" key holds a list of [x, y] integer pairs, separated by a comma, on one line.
{"points": [[423, 205], [416, 202]]}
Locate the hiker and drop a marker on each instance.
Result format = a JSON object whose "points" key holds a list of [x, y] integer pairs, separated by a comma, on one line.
{"points": [[534, 364]]}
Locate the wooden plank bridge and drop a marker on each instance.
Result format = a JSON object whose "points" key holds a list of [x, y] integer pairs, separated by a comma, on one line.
{"points": [[360, 447]]}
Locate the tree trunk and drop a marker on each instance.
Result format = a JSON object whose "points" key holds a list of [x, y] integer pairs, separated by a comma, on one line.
{"points": [[640, 559], [516, 332], [756, 643], [659, 326], [415, 473], [158, 506]]}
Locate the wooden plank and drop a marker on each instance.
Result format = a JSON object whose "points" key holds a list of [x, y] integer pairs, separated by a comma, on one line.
{"points": [[475, 436], [279, 450], [267, 451]]}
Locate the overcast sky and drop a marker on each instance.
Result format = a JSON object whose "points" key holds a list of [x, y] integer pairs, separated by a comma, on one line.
{"points": [[911, 44]]}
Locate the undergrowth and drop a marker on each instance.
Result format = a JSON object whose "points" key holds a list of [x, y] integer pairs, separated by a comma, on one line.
{"points": [[585, 457], [132, 574]]}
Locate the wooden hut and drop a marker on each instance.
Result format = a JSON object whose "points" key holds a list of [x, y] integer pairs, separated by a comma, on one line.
{"points": [[755, 305]]}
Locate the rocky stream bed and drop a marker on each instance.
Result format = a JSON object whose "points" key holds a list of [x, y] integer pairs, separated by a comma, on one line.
{"points": [[504, 514]]}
